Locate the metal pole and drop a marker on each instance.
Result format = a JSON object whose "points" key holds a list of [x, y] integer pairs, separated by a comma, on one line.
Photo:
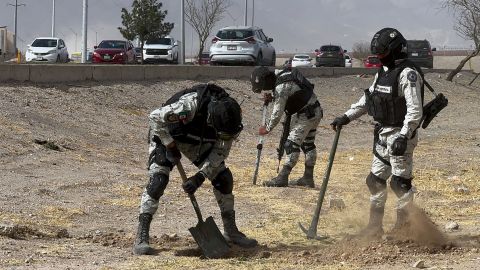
{"points": [[84, 31], [246, 12], [253, 11], [182, 26], [15, 26], [53, 18]]}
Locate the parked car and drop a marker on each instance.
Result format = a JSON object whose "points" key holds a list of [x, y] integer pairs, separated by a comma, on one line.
{"points": [[204, 59], [420, 52], [372, 61], [114, 52], [242, 45], [160, 50], [330, 56], [301, 60], [47, 49], [348, 61], [138, 54]]}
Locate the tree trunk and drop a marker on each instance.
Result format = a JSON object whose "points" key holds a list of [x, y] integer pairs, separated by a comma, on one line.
{"points": [[200, 50], [141, 46], [462, 63]]}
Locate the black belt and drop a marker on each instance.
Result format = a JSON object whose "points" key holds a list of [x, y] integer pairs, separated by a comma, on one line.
{"points": [[311, 106]]}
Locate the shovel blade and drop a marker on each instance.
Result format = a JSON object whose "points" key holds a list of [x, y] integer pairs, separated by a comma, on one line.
{"points": [[210, 239]]}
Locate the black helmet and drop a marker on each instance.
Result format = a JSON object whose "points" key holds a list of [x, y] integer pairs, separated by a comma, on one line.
{"points": [[387, 40], [262, 78], [225, 116]]}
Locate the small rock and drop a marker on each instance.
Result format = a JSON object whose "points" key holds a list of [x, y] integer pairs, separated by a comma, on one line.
{"points": [[419, 264], [29, 260], [451, 226], [337, 203], [305, 253], [173, 236], [462, 189], [265, 254], [98, 232]]}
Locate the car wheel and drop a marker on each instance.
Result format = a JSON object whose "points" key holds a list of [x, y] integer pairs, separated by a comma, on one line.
{"points": [[274, 59], [259, 59]]}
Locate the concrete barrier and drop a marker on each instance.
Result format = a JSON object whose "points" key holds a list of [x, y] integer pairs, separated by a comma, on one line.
{"points": [[10, 72], [60, 73], [72, 72]]}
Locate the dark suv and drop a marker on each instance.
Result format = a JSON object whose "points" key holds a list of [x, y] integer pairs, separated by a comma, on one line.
{"points": [[420, 52], [330, 56]]}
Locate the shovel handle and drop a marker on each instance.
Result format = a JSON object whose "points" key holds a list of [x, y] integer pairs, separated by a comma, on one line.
{"points": [[260, 145], [191, 196]]}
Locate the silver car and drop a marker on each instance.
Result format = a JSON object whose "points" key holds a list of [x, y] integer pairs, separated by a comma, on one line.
{"points": [[242, 45]]}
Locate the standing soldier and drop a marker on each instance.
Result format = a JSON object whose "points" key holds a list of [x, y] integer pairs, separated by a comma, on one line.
{"points": [[200, 123], [395, 101], [292, 94]]}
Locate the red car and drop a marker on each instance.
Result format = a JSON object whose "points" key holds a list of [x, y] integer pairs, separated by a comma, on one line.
{"points": [[114, 52], [372, 62]]}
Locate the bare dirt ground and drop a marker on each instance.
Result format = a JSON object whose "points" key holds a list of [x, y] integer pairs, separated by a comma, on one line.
{"points": [[73, 166]]}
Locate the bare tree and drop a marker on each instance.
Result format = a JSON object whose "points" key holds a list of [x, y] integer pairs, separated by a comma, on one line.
{"points": [[361, 50], [202, 15], [467, 13]]}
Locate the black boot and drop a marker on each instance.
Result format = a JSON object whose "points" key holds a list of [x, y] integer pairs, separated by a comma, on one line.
{"points": [[375, 223], [142, 246], [306, 180], [232, 234], [281, 180]]}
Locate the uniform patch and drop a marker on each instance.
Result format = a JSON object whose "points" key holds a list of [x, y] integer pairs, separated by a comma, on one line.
{"points": [[172, 118], [383, 89], [412, 76]]}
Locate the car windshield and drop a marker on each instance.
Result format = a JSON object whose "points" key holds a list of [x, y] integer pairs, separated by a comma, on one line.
{"points": [[112, 44], [347, 57], [373, 60], [234, 34], [45, 43], [329, 48], [415, 45], [302, 57], [161, 41]]}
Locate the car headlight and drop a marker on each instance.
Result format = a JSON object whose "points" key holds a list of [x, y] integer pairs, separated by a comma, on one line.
{"points": [[52, 51], [169, 51], [121, 54]]}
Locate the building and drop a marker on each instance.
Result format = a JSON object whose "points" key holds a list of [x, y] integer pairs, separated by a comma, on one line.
{"points": [[6, 43]]}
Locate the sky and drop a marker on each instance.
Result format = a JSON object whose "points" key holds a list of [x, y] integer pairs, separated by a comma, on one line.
{"points": [[295, 25]]}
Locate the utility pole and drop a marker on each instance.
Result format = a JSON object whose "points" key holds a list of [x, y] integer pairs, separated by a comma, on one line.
{"points": [[84, 31], [182, 26], [53, 18], [15, 23], [246, 13], [253, 11]]}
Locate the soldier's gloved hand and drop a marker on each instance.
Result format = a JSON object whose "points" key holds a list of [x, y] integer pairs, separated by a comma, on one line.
{"points": [[399, 146], [193, 183], [173, 154], [267, 98], [339, 121]]}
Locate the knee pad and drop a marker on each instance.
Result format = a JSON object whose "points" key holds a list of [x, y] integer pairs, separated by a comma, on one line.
{"points": [[375, 184], [159, 156], [224, 182], [156, 186], [291, 147], [307, 147], [400, 185]]}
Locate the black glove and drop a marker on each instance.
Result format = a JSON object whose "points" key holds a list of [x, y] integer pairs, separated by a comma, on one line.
{"points": [[173, 155], [340, 121], [193, 183], [399, 146]]}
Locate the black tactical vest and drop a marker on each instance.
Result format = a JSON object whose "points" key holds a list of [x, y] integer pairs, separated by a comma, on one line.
{"points": [[301, 97], [384, 103], [197, 130]]}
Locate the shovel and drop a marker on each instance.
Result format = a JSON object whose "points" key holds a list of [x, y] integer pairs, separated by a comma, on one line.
{"points": [[312, 231], [206, 233]]}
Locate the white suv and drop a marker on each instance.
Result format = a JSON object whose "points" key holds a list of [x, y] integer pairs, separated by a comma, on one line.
{"points": [[242, 44], [160, 50], [47, 49]]}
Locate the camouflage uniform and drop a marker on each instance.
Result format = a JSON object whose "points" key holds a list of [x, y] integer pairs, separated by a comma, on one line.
{"points": [[206, 153], [303, 127]]}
